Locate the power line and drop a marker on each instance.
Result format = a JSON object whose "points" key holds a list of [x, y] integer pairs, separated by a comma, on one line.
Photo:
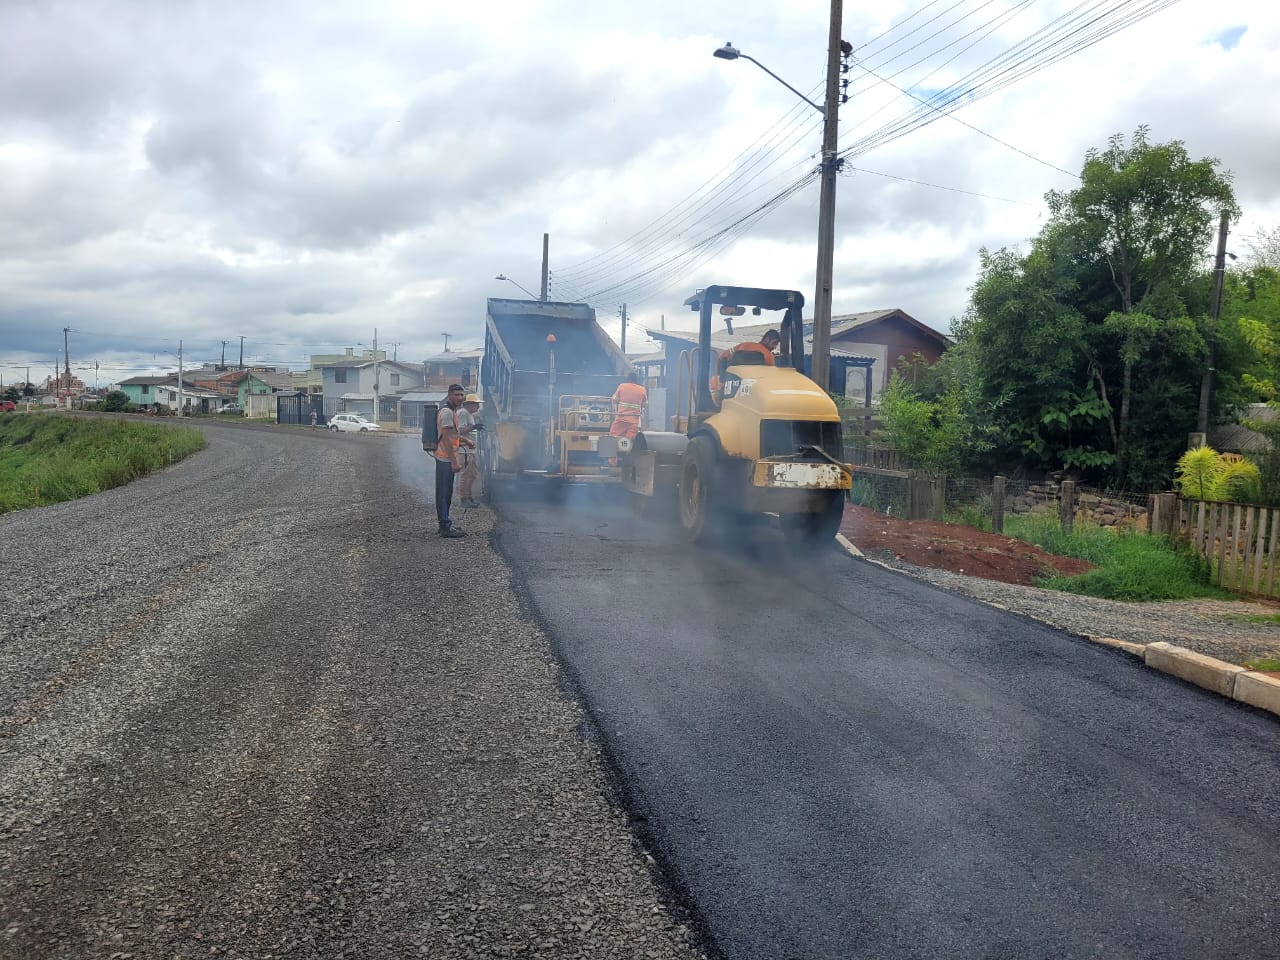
{"points": [[938, 186]]}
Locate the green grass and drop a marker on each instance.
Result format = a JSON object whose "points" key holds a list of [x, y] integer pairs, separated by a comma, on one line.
{"points": [[1257, 618], [50, 459], [1128, 565], [1271, 663]]}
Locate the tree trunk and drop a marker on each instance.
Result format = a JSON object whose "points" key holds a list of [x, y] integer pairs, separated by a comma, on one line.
{"points": [[1123, 441]]}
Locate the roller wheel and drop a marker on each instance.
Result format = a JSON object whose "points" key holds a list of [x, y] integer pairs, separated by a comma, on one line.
{"points": [[815, 531], [701, 513]]}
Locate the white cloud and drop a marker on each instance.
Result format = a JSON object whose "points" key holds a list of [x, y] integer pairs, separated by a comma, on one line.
{"points": [[302, 173]]}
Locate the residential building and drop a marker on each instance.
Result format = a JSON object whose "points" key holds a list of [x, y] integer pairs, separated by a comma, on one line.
{"points": [[141, 391], [349, 386], [312, 380], [452, 366]]}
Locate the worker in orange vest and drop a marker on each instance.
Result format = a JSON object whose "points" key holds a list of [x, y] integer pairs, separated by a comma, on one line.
{"points": [[629, 401], [762, 349]]}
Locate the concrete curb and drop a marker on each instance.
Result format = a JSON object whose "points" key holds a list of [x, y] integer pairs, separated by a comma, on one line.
{"points": [[1258, 690], [1225, 679], [1216, 675]]}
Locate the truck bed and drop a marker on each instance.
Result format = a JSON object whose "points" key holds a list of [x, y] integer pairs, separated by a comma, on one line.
{"points": [[577, 349]]}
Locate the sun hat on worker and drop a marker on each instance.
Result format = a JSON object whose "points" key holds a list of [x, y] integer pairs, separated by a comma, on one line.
{"points": [[473, 398]]}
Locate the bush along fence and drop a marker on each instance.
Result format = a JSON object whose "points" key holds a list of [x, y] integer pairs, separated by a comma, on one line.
{"points": [[1239, 540]]}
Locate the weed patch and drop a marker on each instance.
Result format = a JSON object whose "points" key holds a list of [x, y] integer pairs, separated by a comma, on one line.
{"points": [[1127, 565], [50, 459]]}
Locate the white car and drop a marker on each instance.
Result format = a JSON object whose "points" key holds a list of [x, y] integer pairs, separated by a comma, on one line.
{"points": [[351, 423]]}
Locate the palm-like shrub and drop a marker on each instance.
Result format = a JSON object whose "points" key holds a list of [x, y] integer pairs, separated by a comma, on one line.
{"points": [[1197, 473], [1205, 474]]}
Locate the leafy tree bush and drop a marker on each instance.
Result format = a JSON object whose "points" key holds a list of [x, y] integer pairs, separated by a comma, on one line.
{"points": [[1095, 340], [115, 401]]}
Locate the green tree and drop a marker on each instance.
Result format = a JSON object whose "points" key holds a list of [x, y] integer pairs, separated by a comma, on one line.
{"points": [[114, 401], [13, 394], [1090, 336], [1148, 211]]}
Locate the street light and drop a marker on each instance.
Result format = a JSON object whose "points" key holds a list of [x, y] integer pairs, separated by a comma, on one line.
{"points": [[730, 52], [837, 50], [503, 276]]}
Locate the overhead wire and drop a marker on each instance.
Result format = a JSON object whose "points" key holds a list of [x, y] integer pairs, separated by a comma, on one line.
{"points": [[667, 228], [1083, 26], [633, 250], [655, 252]]}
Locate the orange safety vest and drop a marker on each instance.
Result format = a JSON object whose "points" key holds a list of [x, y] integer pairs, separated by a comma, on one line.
{"points": [[630, 398], [751, 347]]}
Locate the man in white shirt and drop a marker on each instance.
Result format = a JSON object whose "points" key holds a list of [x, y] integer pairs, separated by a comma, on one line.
{"points": [[470, 421]]}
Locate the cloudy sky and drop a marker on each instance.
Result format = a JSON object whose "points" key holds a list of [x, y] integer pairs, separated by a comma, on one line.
{"points": [[299, 173]]}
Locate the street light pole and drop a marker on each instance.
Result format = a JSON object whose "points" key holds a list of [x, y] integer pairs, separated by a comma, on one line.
{"points": [[820, 366], [503, 276]]}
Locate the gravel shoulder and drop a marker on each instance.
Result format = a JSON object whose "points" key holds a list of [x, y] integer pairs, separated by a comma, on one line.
{"points": [[251, 706]]}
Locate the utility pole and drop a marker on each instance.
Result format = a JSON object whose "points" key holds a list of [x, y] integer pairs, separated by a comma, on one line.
{"points": [[242, 353], [375, 374], [223, 364], [446, 341], [820, 365], [26, 390], [179, 378], [1215, 308], [546, 265], [624, 328]]}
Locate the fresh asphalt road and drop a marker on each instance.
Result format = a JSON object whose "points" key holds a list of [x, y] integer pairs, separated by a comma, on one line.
{"points": [[833, 760]]}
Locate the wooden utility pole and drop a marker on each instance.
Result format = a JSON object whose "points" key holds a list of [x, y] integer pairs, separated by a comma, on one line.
{"points": [[820, 366], [624, 328], [546, 265], [1215, 308]]}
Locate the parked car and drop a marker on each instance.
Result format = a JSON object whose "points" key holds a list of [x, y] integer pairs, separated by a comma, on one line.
{"points": [[351, 423], [231, 407], [7, 405]]}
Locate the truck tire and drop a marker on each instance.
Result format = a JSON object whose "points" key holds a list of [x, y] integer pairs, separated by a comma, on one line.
{"points": [[817, 530]]}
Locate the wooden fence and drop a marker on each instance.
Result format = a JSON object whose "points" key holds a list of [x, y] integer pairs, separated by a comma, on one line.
{"points": [[1239, 540]]}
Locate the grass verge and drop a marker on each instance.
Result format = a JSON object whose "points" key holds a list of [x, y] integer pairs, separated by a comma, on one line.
{"points": [[50, 459], [1128, 565], [1268, 665]]}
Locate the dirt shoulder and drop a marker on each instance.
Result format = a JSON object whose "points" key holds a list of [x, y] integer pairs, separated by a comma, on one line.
{"points": [[1000, 570]]}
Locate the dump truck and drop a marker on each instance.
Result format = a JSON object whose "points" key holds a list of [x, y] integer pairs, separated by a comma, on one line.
{"points": [[751, 437], [548, 375]]}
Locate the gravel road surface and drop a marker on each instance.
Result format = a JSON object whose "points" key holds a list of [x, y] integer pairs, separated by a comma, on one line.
{"points": [[835, 760], [252, 707]]}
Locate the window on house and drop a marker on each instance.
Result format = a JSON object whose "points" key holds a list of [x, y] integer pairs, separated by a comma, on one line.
{"points": [[395, 379], [340, 376], [146, 388]]}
